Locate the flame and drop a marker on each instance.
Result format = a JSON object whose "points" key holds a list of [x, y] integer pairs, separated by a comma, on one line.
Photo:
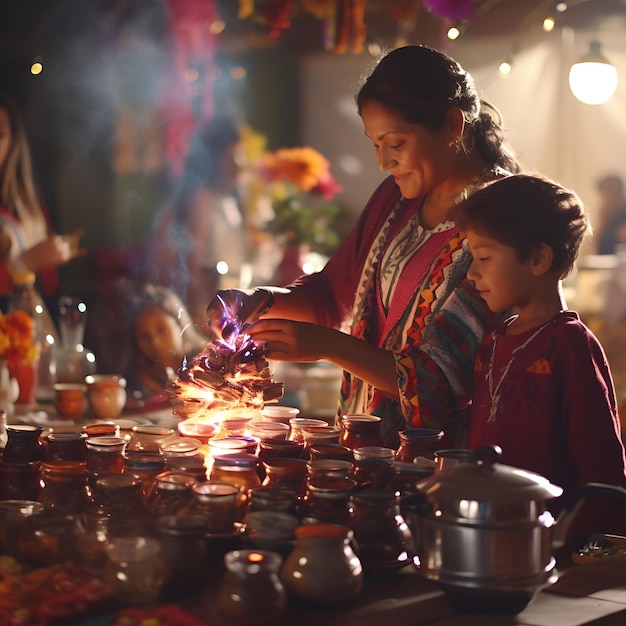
{"points": [[231, 376]]}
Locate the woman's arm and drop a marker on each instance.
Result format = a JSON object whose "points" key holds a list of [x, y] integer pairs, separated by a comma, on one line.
{"points": [[288, 340]]}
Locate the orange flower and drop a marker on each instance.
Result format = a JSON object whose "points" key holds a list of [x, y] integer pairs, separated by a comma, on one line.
{"points": [[16, 338], [304, 167]]}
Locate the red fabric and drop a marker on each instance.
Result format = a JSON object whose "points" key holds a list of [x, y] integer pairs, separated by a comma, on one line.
{"points": [[557, 415]]}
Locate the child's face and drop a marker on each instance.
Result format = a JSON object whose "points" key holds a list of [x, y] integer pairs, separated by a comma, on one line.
{"points": [[158, 337], [504, 282]]}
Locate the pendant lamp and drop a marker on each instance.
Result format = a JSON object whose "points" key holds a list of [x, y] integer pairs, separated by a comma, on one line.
{"points": [[593, 79]]}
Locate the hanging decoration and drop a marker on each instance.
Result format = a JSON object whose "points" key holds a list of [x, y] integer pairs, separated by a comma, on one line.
{"points": [[275, 13]]}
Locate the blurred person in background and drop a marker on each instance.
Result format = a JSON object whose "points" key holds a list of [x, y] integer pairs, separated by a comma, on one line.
{"points": [[27, 240], [611, 230], [201, 242]]}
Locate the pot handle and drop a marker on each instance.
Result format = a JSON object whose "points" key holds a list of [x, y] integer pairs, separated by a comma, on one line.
{"points": [[488, 455], [568, 514]]}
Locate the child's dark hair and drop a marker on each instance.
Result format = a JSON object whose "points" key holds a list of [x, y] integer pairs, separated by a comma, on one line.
{"points": [[525, 211]]}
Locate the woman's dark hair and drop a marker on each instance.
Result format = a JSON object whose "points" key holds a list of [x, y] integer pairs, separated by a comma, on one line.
{"points": [[205, 159], [421, 84], [525, 211]]}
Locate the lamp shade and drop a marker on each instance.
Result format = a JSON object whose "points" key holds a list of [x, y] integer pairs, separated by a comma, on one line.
{"points": [[593, 79]]}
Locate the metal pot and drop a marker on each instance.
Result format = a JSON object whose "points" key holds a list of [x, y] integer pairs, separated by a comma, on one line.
{"points": [[485, 532]]}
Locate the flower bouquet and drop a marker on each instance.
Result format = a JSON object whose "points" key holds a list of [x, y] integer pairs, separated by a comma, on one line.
{"points": [[19, 352], [300, 186]]}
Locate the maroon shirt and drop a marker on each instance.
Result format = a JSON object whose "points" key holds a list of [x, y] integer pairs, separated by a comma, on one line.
{"points": [[557, 412]]}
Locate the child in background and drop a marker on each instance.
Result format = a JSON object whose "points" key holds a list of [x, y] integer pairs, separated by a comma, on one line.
{"points": [[543, 390], [162, 336]]}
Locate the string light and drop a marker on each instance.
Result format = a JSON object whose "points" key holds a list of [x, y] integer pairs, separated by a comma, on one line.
{"points": [[505, 67], [36, 66], [453, 33]]}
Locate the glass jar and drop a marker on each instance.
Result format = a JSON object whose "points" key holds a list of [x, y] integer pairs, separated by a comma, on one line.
{"points": [[171, 494], [374, 452], [274, 499], [321, 469], [23, 444], [320, 434], [237, 469], [219, 504], [235, 426], [135, 569], [416, 442], [385, 541], [65, 487], [269, 430], [286, 474], [144, 465], [101, 429], [298, 424], [20, 481], [66, 448], [251, 593], [64, 480], [104, 455], [330, 451], [119, 495], [16, 525], [148, 437], [198, 430], [327, 501], [372, 473], [184, 455], [184, 554], [360, 430], [279, 449]]}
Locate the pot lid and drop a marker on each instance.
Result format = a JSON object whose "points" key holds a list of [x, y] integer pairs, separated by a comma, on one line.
{"points": [[487, 480]]}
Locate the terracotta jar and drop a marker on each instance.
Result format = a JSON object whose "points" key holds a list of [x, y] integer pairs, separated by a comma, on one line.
{"points": [[323, 568], [384, 538], [23, 444], [288, 474], [359, 431], [327, 500], [419, 442]]}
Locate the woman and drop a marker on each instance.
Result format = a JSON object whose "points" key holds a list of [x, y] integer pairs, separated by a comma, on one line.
{"points": [[393, 306], [201, 240], [26, 238]]}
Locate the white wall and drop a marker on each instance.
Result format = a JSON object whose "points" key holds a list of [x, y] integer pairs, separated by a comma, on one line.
{"points": [[549, 129]]}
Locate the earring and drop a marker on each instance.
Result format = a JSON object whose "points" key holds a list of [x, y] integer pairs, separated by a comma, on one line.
{"points": [[458, 145]]}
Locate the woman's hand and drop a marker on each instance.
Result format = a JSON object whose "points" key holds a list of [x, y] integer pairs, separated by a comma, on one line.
{"points": [[286, 340], [54, 251], [231, 309], [304, 342]]}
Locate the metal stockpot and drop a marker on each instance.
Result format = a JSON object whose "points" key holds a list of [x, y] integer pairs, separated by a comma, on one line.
{"points": [[485, 532]]}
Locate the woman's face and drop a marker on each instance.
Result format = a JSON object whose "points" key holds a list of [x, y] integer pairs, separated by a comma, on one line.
{"points": [[5, 136], [418, 159], [158, 337]]}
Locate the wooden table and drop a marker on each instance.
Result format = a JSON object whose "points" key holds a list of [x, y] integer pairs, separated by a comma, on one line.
{"points": [[584, 595]]}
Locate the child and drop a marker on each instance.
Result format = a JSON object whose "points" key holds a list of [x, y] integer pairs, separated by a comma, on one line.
{"points": [[162, 335], [542, 387]]}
